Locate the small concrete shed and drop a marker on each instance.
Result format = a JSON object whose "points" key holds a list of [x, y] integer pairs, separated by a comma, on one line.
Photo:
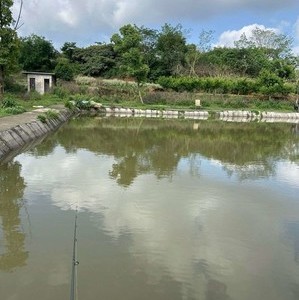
{"points": [[40, 81]]}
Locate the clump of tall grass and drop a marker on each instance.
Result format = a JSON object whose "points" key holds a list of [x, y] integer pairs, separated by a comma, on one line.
{"points": [[10, 107], [48, 115], [85, 80]]}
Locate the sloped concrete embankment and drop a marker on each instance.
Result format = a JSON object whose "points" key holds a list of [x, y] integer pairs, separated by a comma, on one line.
{"points": [[17, 137]]}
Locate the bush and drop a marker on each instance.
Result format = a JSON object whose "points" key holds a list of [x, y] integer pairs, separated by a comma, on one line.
{"points": [[64, 70], [48, 115], [52, 114], [42, 118], [242, 86], [34, 95], [61, 92], [14, 110], [13, 87], [8, 103]]}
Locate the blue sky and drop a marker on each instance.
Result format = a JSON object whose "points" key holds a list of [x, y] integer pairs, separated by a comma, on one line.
{"points": [[89, 21]]}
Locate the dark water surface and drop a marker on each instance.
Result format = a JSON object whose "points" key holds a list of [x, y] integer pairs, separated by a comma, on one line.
{"points": [[167, 210]]}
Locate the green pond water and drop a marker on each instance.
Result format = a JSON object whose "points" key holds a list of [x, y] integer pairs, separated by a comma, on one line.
{"points": [[167, 209]]}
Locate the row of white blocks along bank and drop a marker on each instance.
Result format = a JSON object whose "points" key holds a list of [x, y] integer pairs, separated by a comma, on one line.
{"points": [[238, 114], [279, 115], [262, 115], [199, 114], [150, 112]]}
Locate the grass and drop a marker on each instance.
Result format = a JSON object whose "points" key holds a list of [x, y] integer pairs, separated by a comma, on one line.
{"points": [[120, 93], [48, 116], [19, 104]]}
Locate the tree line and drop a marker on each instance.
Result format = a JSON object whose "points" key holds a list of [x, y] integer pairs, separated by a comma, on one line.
{"points": [[151, 55]]}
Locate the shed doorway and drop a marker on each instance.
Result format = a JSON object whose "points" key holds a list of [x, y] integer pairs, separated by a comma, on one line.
{"points": [[46, 85], [32, 84]]}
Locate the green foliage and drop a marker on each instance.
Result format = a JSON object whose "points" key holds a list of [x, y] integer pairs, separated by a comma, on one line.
{"points": [[52, 114], [68, 49], [64, 70], [83, 104], [70, 104], [13, 85], [129, 48], [48, 116], [171, 49], [42, 118], [274, 45], [95, 60], [61, 92], [37, 54], [216, 85], [14, 110], [11, 107], [8, 42], [8, 103], [34, 95], [270, 83]]}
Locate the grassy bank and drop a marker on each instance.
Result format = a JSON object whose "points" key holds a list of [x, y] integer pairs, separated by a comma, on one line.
{"points": [[120, 93]]}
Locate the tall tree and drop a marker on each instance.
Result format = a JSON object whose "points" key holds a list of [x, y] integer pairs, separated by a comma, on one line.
{"points": [[68, 50], [8, 41], [128, 45], [195, 51], [94, 60], [37, 54], [275, 45], [149, 49], [171, 49]]}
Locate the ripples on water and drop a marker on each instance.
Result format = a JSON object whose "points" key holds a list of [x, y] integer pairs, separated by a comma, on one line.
{"points": [[165, 212]]}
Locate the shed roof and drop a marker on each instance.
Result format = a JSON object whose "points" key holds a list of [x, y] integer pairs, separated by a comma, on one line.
{"points": [[38, 73]]}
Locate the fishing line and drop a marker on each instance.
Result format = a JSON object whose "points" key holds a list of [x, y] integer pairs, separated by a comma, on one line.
{"points": [[75, 262]]}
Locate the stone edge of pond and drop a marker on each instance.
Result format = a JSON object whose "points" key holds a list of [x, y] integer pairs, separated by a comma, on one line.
{"points": [[27, 130], [225, 115]]}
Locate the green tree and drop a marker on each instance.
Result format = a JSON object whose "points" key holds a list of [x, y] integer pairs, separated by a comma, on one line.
{"points": [[68, 49], [37, 54], [8, 41], [275, 50], [275, 45], [171, 49], [195, 51], [149, 50], [240, 61], [270, 83], [128, 45], [64, 69], [95, 60]]}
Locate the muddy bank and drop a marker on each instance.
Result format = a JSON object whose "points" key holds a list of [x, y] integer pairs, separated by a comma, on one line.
{"points": [[17, 132]]}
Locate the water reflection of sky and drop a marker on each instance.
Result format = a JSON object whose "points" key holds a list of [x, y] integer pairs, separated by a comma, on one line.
{"points": [[286, 173], [217, 236]]}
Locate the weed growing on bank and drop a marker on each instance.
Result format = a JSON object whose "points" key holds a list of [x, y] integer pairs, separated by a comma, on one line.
{"points": [[48, 116]]}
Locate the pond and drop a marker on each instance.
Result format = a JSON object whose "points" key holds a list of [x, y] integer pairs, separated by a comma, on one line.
{"points": [[167, 209]]}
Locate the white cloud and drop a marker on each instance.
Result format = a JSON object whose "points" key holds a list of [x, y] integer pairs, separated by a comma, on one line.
{"points": [[87, 21], [228, 37]]}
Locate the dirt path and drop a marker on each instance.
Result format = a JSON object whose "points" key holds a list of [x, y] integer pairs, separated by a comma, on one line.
{"points": [[27, 117]]}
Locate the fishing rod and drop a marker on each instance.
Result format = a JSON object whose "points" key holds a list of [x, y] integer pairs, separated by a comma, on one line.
{"points": [[75, 262]]}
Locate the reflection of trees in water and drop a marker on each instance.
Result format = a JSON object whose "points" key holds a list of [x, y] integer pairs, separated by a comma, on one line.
{"points": [[11, 191], [158, 145], [214, 289], [262, 169], [45, 147]]}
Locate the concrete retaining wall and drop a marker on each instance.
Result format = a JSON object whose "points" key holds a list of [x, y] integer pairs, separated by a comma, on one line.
{"points": [[21, 135]]}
